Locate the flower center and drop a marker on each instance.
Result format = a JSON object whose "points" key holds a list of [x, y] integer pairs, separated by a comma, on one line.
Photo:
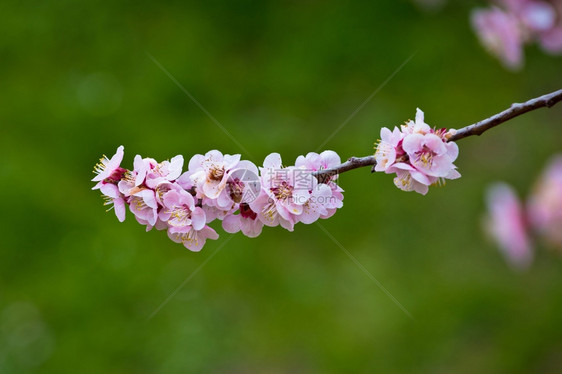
{"points": [[283, 192], [270, 211], [216, 173], [161, 189], [139, 203], [425, 157], [406, 181], [116, 176], [247, 212], [189, 237], [158, 169], [180, 216], [236, 190]]}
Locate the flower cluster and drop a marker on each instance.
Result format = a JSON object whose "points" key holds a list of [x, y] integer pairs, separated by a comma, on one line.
{"points": [[506, 28], [419, 155], [219, 187], [510, 222]]}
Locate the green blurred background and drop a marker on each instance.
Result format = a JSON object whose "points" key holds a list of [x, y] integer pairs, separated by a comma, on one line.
{"points": [[77, 287]]}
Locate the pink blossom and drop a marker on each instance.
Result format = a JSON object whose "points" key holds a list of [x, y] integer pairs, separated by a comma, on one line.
{"points": [[133, 181], [418, 126], [179, 210], [419, 155], [242, 185], [316, 205], [500, 33], [221, 187], [279, 202], [115, 198], [192, 239], [335, 202], [409, 179], [551, 40], [164, 187], [429, 154], [209, 173], [140, 169], [504, 31], [545, 203], [159, 225], [316, 162], [538, 16], [246, 221], [109, 170], [165, 171], [144, 206], [212, 212], [389, 148], [507, 225], [539, 21], [186, 222]]}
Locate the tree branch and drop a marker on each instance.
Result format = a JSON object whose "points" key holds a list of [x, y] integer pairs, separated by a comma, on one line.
{"points": [[513, 111], [477, 128], [352, 163]]}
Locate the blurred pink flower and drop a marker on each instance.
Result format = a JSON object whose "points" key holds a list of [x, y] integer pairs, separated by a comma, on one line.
{"points": [[545, 203], [500, 33], [537, 16], [506, 224], [551, 40], [505, 30]]}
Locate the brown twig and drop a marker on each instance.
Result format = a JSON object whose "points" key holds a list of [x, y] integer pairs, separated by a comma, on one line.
{"points": [[513, 111], [352, 163], [516, 109]]}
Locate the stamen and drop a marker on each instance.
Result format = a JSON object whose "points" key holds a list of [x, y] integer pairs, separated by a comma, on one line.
{"points": [[100, 166]]}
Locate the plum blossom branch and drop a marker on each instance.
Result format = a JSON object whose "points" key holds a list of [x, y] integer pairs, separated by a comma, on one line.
{"points": [[246, 198], [516, 109]]}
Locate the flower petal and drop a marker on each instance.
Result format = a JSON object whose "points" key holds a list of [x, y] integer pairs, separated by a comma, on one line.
{"points": [[231, 223], [272, 161], [413, 143], [198, 218]]}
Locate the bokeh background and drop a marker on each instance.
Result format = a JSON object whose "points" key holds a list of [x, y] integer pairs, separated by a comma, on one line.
{"points": [[77, 287]]}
